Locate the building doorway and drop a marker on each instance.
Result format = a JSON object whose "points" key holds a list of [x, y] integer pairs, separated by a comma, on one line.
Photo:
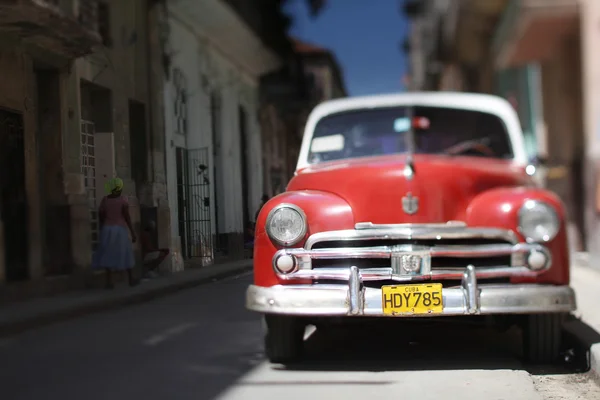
{"points": [[57, 250], [193, 204], [13, 197], [181, 165], [96, 117]]}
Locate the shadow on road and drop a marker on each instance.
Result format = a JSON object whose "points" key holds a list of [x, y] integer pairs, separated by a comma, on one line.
{"points": [[428, 346]]}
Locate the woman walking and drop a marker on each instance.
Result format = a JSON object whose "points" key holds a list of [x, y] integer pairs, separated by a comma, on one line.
{"points": [[115, 251]]}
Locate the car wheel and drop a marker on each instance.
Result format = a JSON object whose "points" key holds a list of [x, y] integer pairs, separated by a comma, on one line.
{"points": [[542, 336], [284, 338]]}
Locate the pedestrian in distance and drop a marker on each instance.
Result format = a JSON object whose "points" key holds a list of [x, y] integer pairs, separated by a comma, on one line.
{"points": [[151, 255], [115, 249]]}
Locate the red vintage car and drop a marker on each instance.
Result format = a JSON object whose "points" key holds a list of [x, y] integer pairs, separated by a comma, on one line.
{"points": [[412, 205]]}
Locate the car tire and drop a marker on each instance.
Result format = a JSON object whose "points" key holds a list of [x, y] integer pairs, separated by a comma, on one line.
{"points": [[542, 335], [284, 338]]}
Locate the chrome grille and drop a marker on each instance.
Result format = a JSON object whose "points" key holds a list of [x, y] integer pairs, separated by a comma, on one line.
{"points": [[437, 262], [410, 253]]}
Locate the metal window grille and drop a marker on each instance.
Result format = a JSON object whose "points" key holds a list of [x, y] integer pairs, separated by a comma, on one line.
{"points": [[88, 169], [195, 215]]}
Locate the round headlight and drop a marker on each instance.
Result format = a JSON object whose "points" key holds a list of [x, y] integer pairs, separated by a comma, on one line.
{"points": [[286, 224], [538, 221]]}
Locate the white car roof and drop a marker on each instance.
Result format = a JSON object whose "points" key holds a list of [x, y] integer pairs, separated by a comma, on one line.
{"points": [[470, 101]]}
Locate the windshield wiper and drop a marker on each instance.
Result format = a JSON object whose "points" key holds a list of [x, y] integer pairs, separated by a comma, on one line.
{"points": [[467, 145]]}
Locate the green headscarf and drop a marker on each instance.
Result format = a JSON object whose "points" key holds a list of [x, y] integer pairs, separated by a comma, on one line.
{"points": [[113, 185]]}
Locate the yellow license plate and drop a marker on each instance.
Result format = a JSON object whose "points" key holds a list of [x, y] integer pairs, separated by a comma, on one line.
{"points": [[412, 299]]}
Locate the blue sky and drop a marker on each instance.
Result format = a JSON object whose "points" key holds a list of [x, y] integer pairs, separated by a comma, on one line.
{"points": [[366, 37]]}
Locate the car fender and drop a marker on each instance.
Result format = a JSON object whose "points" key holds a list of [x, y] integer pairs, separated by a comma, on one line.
{"points": [[324, 212], [499, 208]]}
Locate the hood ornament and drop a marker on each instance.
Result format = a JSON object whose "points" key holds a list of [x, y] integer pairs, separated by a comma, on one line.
{"points": [[410, 204]]}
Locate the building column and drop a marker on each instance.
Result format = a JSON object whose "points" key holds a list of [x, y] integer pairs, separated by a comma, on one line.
{"points": [[555, 79], [18, 94], [157, 19], [32, 169], [74, 189], [589, 17], [2, 255]]}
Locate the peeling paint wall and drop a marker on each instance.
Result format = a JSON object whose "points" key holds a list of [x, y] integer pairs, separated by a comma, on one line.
{"points": [[206, 71], [18, 94]]}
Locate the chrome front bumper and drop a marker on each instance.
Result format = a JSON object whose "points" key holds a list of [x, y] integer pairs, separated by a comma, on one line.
{"points": [[410, 263], [355, 300]]}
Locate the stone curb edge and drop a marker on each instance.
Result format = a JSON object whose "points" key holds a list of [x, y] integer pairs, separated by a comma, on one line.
{"points": [[55, 316], [595, 361], [586, 340]]}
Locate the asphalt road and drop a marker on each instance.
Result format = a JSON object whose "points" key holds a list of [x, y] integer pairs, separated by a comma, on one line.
{"points": [[203, 344]]}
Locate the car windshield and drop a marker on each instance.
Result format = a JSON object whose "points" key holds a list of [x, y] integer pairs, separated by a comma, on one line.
{"points": [[437, 130]]}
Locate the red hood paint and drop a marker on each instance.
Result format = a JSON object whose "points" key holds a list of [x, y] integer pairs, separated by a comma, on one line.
{"points": [[444, 185]]}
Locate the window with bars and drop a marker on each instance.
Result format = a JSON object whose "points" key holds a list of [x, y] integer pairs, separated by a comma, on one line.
{"points": [[88, 169], [180, 102]]}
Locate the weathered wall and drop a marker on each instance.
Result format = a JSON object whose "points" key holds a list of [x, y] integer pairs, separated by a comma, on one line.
{"points": [[18, 94], [590, 35], [207, 71], [124, 69]]}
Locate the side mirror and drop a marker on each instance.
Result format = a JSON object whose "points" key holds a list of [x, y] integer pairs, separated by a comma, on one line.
{"points": [[535, 163], [538, 160]]}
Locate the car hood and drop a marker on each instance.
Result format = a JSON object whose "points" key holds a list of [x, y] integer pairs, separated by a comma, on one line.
{"points": [[444, 185]]}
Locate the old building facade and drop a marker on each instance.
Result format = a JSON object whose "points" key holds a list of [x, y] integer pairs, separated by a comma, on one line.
{"points": [[168, 95], [32, 123], [311, 74], [541, 58], [78, 109], [213, 135]]}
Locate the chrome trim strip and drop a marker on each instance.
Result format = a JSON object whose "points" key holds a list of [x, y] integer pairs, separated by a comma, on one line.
{"points": [[459, 251], [379, 274], [370, 225], [413, 232], [352, 300], [518, 253]]}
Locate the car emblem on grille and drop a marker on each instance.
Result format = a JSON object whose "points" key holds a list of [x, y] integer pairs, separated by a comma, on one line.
{"points": [[408, 260], [410, 204]]}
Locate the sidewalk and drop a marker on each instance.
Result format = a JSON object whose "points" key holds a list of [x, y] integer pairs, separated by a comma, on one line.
{"points": [[586, 282], [41, 311]]}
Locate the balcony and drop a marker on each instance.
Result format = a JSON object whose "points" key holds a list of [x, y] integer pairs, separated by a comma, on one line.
{"points": [[67, 28], [531, 30]]}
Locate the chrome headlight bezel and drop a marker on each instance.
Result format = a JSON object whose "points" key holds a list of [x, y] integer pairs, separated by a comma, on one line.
{"points": [[273, 213], [529, 232]]}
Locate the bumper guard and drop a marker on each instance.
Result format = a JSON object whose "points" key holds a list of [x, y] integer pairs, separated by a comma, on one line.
{"points": [[354, 299]]}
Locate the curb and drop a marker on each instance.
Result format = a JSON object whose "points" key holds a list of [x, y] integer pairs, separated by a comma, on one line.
{"points": [[587, 337], [111, 303], [586, 343], [595, 361]]}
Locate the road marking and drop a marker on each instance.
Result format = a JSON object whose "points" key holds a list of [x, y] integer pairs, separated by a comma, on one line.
{"points": [[309, 331], [161, 337]]}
